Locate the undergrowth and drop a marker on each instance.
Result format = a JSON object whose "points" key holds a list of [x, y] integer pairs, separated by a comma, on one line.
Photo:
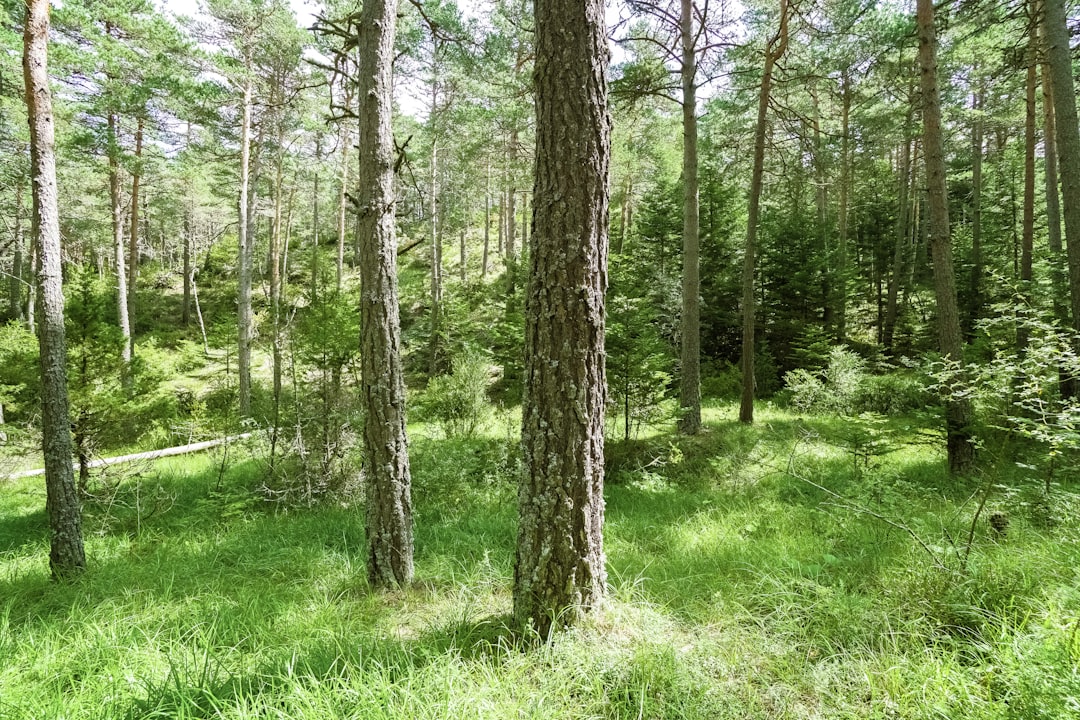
{"points": [[785, 570]]}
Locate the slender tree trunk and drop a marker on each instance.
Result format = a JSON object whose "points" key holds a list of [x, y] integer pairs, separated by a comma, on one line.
{"points": [[559, 573], [133, 234], [1028, 233], [977, 143], [315, 223], [436, 245], [116, 203], [1059, 59], [773, 51], [1058, 262], [487, 224], [246, 241], [690, 373], [189, 241], [842, 220], [387, 478], [897, 276], [275, 294], [66, 556], [958, 411]]}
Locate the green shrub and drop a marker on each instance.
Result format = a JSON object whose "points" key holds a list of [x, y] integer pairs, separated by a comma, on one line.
{"points": [[458, 402]]}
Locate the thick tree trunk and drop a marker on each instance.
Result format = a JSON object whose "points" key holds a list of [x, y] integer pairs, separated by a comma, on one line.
{"points": [[245, 239], [66, 555], [1059, 59], [773, 51], [958, 411], [387, 478], [116, 204], [690, 373], [559, 573]]}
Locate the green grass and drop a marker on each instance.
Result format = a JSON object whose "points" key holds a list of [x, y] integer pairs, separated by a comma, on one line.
{"points": [[738, 590]]}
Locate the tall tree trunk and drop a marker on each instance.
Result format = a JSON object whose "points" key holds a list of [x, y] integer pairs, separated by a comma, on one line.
{"points": [[275, 262], [133, 234], [1058, 263], [387, 478], [774, 49], [246, 259], [116, 204], [189, 240], [436, 256], [1059, 59], [977, 142], [487, 224], [559, 573], [958, 411], [1028, 233], [842, 219], [690, 373], [315, 224], [66, 555], [897, 276]]}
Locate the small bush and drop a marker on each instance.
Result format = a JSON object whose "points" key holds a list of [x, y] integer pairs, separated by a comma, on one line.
{"points": [[458, 402]]}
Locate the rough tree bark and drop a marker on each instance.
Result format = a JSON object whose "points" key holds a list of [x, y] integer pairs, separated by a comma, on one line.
{"points": [[958, 411], [1058, 273], [387, 478], [690, 372], [774, 49], [559, 574], [1059, 60], [66, 555]]}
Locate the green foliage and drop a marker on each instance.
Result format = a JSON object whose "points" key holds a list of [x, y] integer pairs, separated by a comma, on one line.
{"points": [[20, 374], [736, 592], [458, 402]]}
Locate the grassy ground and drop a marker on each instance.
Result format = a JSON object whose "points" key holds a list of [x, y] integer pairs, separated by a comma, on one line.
{"points": [[739, 589]]}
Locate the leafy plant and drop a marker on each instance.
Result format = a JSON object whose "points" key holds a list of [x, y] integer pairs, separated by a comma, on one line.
{"points": [[458, 402]]}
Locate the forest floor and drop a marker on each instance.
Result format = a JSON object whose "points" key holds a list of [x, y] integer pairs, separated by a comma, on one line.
{"points": [[804, 567]]}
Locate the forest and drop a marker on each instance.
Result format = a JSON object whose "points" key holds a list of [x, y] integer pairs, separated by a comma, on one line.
{"points": [[539, 359]]}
